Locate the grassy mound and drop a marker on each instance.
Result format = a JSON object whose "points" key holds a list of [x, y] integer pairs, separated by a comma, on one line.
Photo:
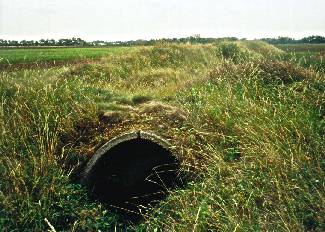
{"points": [[264, 168], [248, 128], [262, 47]]}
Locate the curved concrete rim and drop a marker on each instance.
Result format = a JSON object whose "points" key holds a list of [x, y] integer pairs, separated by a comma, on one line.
{"points": [[117, 140]]}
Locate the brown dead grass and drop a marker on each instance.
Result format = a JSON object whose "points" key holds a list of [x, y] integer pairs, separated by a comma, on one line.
{"points": [[168, 121]]}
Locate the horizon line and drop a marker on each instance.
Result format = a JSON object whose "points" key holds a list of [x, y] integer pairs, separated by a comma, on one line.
{"points": [[157, 38]]}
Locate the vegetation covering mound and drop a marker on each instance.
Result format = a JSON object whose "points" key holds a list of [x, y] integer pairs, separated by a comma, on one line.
{"points": [[247, 124], [261, 47]]}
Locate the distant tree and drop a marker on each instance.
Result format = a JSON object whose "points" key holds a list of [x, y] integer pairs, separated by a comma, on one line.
{"points": [[23, 43], [286, 40], [42, 42], [3, 42], [51, 42], [13, 43], [313, 39]]}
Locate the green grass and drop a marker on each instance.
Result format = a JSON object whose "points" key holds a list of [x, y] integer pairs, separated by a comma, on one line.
{"points": [[42, 55], [306, 55], [302, 47], [249, 129]]}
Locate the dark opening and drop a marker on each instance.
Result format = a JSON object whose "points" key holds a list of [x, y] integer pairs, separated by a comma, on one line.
{"points": [[133, 173]]}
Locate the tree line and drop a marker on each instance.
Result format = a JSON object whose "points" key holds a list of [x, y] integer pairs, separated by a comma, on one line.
{"points": [[314, 39], [78, 42], [44, 42]]}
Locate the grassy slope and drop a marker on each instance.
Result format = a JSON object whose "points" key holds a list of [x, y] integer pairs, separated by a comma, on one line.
{"points": [[255, 135]]}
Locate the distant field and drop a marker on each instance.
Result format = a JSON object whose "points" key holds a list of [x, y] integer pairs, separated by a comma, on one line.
{"points": [[306, 55], [302, 47], [43, 55]]}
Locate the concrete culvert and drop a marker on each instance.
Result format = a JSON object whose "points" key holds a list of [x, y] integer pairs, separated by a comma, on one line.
{"points": [[133, 169]]}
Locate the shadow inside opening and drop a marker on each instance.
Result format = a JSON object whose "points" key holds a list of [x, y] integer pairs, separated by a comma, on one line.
{"points": [[133, 175]]}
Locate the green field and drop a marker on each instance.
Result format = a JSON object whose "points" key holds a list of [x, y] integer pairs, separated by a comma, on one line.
{"points": [[42, 55], [306, 55], [247, 121], [318, 48]]}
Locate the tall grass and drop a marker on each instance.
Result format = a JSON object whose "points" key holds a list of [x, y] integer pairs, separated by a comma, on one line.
{"points": [[264, 170], [36, 108], [254, 139]]}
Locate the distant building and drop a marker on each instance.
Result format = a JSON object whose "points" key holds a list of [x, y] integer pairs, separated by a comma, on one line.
{"points": [[196, 36]]}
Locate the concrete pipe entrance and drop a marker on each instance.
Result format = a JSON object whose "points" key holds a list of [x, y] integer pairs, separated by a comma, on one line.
{"points": [[133, 169]]}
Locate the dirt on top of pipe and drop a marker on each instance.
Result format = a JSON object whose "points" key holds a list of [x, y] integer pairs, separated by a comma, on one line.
{"points": [[169, 122]]}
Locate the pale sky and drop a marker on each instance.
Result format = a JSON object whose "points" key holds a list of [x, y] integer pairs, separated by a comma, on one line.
{"points": [[146, 19]]}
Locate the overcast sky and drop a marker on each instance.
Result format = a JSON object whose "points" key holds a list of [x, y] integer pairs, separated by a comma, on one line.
{"points": [[145, 19]]}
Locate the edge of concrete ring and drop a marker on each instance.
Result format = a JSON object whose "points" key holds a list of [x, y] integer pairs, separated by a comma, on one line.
{"points": [[86, 178]]}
